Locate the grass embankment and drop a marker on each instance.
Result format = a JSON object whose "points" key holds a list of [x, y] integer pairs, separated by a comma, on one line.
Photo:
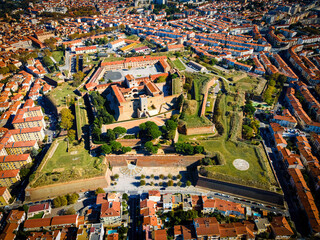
{"points": [[64, 166], [179, 64]]}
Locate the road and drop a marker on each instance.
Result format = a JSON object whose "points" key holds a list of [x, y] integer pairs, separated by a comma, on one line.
{"points": [[133, 203]]}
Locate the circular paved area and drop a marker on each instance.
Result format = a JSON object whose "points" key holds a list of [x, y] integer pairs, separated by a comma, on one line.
{"points": [[113, 76], [241, 164]]}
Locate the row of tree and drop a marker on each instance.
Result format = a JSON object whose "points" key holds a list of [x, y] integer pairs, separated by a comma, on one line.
{"points": [[114, 147], [65, 200], [188, 149]]}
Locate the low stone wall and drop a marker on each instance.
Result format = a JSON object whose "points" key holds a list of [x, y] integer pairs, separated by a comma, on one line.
{"points": [[200, 130], [54, 190]]}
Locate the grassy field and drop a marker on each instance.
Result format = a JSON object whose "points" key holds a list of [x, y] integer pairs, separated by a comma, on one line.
{"points": [[176, 86], [59, 95], [69, 165], [57, 55], [78, 120], [81, 116], [179, 64], [196, 121]]}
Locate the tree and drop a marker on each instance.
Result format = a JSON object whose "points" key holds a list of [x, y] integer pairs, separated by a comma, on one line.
{"points": [[150, 148], [142, 176], [179, 176], [126, 149], [105, 148], [70, 211], [99, 190], [170, 176], [73, 198], [115, 146], [185, 148], [247, 132], [161, 176], [149, 130], [249, 109], [142, 182], [47, 52], [47, 61], [66, 119], [188, 183], [119, 131], [125, 197], [71, 135], [198, 149], [60, 201], [152, 176], [170, 183], [77, 78], [110, 135], [34, 152]]}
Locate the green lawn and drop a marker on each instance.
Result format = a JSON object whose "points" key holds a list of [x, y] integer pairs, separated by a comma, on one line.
{"points": [[133, 37], [196, 121], [61, 94], [57, 55], [112, 59], [65, 166], [179, 64], [36, 216], [176, 86], [81, 116]]}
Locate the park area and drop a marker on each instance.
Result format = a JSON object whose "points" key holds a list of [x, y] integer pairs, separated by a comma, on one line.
{"points": [[252, 167], [60, 165], [61, 95]]}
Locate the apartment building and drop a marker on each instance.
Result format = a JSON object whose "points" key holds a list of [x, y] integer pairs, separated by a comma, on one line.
{"points": [[21, 147], [9, 177], [29, 118], [4, 196], [11, 162], [28, 134]]}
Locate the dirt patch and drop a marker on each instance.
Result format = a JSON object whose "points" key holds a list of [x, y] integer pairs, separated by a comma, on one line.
{"points": [[58, 170], [241, 164]]}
